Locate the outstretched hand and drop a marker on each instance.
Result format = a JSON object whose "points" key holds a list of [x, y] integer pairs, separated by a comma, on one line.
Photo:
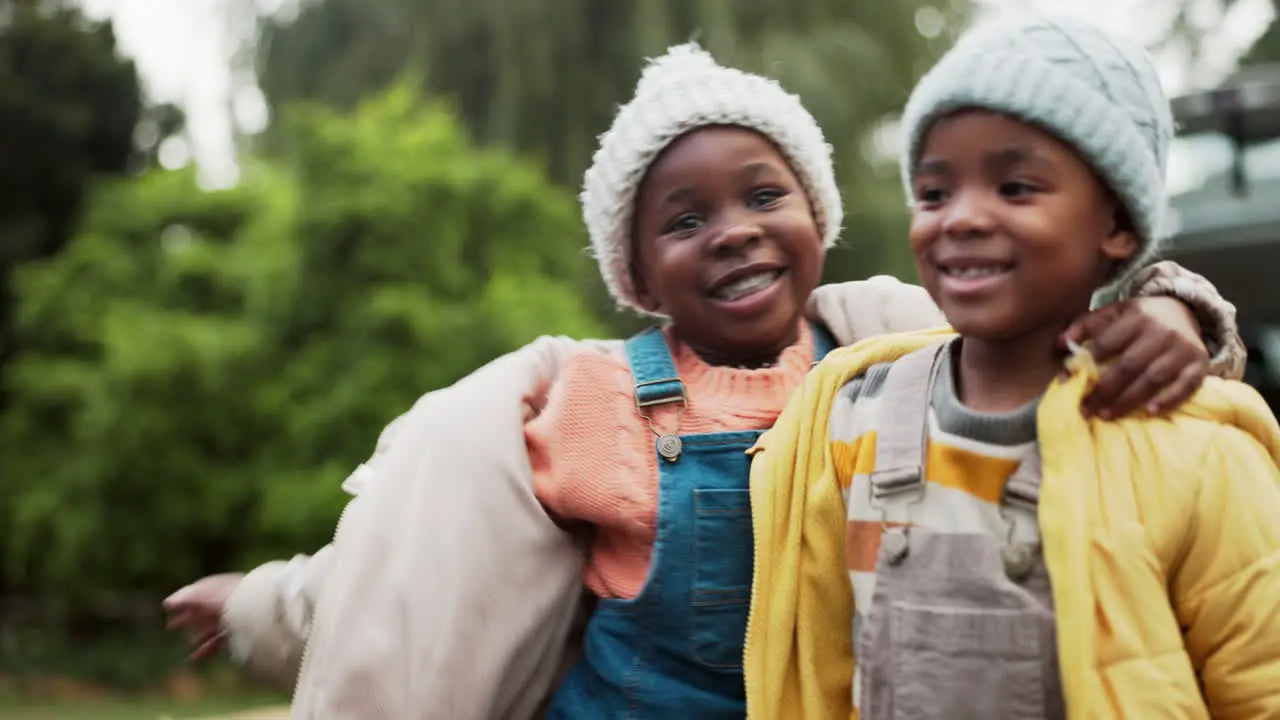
{"points": [[1159, 358], [197, 609]]}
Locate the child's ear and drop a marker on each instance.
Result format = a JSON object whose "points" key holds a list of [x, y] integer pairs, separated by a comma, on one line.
{"points": [[1122, 243], [644, 298]]}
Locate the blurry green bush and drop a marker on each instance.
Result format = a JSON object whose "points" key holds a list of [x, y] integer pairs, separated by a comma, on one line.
{"points": [[202, 369]]}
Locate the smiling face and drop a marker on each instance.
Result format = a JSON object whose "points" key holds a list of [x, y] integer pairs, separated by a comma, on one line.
{"points": [[726, 245], [1012, 232]]}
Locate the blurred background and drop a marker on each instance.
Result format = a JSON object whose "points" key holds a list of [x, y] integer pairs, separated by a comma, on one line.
{"points": [[238, 237]]}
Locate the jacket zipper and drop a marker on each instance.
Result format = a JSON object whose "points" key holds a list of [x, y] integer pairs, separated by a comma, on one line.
{"points": [[307, 646], [755, 572]]}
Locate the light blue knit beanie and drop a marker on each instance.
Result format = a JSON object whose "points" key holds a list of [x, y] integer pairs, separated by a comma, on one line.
{"points": [[1094, 91]]}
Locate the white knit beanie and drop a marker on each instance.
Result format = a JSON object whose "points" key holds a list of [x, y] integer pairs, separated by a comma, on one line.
{"points": [[1094, 91], [677, 93]]}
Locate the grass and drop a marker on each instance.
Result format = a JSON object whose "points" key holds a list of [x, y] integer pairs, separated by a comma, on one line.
{"points": [[124, 709], [125, 676]]}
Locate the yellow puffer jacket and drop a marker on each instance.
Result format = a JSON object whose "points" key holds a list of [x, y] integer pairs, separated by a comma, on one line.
{"points": [[1162, 537]]}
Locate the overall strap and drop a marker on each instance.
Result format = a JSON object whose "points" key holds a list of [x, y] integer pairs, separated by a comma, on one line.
{"points": [[903, 434], [1022, 490], [657, 383], [902, 439], [823, 342], [653, 370]]}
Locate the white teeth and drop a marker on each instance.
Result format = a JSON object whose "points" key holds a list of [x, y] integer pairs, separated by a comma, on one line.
{"points": [[973, 272], [746, 286]]}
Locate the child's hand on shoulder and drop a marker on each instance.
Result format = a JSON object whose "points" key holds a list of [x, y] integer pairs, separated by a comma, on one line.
{"points": [[1157, 359]]}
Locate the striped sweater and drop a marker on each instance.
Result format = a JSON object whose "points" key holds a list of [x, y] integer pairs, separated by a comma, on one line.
{"points": [[970, 456]]}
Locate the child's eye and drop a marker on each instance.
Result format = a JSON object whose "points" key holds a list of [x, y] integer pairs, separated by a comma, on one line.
{"points": [[685, 223], [930, 195], [765, 197], [1016, 189]]}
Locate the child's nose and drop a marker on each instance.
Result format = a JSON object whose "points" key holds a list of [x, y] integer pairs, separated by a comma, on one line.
{"points": [[968, 213], [736, 235]]}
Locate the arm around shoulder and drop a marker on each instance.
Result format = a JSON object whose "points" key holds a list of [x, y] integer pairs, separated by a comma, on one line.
{"points": [[1227, 589], [1217, 316], [881, 305]]}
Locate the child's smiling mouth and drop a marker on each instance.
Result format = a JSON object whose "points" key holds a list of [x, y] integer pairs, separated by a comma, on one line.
{"points": [[971, 276], [747, 289], [745, 286]]}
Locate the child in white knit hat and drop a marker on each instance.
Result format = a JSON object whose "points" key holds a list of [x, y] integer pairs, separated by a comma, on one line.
{"points": [[1001, 555], [710, 204]]}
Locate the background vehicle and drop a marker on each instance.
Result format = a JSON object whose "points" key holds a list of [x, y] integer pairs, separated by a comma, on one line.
{"points": [[1225, 171]]}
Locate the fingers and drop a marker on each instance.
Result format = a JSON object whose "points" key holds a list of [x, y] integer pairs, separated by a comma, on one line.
{"points": [[181, 613], [1149, 380], [1180, 390], [204, 595], [178, 598], [1135, 376], [178, 620], [197, 624], [192, 619], [1113, 334], [1087, 326], [196, 611], [1150, 363], [208, 645]]}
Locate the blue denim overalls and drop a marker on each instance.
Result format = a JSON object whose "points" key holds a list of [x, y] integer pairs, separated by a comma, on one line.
{"points": [[675, 651]]}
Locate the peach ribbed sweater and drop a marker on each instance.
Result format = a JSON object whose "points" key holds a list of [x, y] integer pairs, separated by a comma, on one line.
{"points": [[593, 456]]}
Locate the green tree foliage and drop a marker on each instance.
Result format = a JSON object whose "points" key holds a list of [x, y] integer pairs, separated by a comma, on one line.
{"points": [[545, 77], [201, 370], [68, 106]]}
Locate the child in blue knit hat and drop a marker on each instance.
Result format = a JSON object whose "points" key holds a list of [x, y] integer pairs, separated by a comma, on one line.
{"points": [[1140, 579]]}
